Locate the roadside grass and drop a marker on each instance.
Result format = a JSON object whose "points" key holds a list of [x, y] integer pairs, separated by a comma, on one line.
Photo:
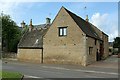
{"points": [[8, 75]]}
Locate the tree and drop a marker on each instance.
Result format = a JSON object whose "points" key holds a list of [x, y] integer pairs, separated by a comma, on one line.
{"points": [[116, 43], [10, 34]]}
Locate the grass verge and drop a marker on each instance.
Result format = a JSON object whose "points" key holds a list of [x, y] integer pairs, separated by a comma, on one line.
{"points": [[7, 75]]}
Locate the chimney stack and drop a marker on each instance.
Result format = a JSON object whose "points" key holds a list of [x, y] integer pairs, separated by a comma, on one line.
{"points": [[48, 20], [87, 18], [30, 26], [23, 24]]}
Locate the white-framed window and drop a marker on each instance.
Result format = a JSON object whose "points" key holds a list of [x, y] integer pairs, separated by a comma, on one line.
{"points": [[62, 31]]}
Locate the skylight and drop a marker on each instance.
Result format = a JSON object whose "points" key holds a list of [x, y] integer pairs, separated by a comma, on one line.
{"points": [[95, 34], [36, 41]]}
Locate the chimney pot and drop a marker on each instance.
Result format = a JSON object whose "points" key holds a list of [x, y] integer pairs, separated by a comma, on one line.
{"points": [[23, 24], [48, 20], [30, 21], [31, 26]]}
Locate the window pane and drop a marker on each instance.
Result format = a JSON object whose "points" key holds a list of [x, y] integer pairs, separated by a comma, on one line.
{"points": [[61, 31], [65, 31]]}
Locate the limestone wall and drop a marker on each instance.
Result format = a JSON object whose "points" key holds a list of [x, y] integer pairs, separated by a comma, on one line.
{"points": [[70, 49], [104, 37], [29, 55], [106, 46], [91, 43]]}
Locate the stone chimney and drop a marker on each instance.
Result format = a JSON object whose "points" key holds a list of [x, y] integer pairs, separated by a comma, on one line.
{"points": [[87, 18], [30, 26], [23, 24], [48, 20]]}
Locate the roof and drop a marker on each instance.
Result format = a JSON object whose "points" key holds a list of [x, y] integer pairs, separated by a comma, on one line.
{"points": [[40, 26], [34, 38], [85, 26], [104, 33]]}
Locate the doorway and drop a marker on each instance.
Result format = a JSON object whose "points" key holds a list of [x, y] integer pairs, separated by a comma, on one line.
{"points": [[100, 52]]}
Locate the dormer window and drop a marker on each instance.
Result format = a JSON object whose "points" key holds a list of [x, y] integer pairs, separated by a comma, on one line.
{"points": [[62, 31]]}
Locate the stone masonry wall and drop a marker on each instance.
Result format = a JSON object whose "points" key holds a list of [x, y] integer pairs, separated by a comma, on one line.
{"points": [[106, 46], [70, 49], [104, 37], [29, 55], [91, 43]]}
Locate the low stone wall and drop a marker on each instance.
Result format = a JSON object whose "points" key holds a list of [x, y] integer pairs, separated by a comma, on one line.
{"points": [[29, 55]]}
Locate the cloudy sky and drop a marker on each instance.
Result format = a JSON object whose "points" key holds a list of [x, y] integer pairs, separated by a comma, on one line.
{"points": [[104, 15]]}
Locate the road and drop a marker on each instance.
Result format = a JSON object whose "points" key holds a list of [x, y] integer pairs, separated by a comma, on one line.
{"points": [[32, 70]]}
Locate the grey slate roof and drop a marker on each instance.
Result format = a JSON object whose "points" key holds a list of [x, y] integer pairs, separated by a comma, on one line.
{"points": [[85, 26], [34, 38], [40, 26]]}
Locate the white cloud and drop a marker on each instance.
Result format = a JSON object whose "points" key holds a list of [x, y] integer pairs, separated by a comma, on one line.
{"points": [[14, 9], [98, 19], [8, 6], [11, 8], [107, 23]]}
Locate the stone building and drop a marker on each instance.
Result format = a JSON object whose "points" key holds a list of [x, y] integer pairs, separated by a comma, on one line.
{"points": [[69, 39], [30, 47]]}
